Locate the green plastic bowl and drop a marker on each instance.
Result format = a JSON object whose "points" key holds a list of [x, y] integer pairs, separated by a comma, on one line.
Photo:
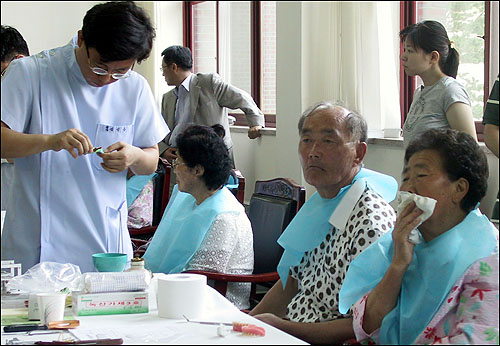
{"points": [[109, 262]]}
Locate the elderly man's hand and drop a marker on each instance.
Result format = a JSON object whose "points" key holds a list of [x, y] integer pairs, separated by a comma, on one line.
{"points": [[170, 154], [254, 132], [270, 319]]}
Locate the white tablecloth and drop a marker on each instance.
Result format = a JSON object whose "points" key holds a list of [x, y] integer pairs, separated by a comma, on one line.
{"points": [[150, 329]]}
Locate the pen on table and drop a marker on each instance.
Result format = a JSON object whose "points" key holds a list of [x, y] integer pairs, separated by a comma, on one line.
{"points": [[66, 324], [24, 328], [83, 342]]}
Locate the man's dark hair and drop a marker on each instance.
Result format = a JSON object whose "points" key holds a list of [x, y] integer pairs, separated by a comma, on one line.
{"points": [[179, 55], [13, 43], [462, 158], [119, 31], [201, 145]]}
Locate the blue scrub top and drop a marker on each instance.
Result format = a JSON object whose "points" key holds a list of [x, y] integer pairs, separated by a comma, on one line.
{"points": [[66, 209]]}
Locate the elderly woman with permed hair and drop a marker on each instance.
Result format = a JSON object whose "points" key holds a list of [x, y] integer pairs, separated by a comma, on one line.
{"points": [[445, 289], [204, 227]]}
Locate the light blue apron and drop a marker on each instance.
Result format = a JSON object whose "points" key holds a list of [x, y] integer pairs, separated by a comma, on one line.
{"points": [[311, 224], [434, 269], [183, 228]]}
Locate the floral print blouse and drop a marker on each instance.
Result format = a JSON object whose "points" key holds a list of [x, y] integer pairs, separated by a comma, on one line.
{"points": [[469, 314]]}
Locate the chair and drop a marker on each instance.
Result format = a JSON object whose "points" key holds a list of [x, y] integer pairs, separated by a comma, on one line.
{"points": [[161, 195], [272, 206], [239, 192]]}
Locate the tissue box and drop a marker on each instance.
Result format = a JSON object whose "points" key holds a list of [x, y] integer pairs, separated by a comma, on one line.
{"points": [[111, 303]]}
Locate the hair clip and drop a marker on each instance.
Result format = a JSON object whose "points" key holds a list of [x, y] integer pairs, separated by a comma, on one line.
{"points": [[452, 45]]}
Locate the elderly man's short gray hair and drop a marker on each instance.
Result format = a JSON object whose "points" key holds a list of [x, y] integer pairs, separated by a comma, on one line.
{"points": [[355, 123]]}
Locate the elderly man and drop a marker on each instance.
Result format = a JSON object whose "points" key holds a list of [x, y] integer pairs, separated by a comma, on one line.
{"points": [[349, 212]]}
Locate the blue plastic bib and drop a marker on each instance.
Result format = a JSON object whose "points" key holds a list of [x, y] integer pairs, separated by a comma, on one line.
{"points": [[311, 224], [183, 227], [435, 268]]}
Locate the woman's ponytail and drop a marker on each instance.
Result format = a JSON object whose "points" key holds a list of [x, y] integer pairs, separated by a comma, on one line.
{"points": [[450, 65]]}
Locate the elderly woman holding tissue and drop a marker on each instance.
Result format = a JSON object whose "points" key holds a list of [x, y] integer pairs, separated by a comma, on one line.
{"points": [[204, 227], [443, 287]]}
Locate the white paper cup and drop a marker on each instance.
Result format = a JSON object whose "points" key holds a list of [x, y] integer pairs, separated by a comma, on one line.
{"points": [[33, 311], [51, 307]]}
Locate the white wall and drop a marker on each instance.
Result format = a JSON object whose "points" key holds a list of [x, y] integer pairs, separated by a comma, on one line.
{"points": [[167, 19], [45, 25]]}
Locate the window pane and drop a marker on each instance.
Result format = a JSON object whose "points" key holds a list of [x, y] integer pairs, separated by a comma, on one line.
{"points": [[268, 57], [235, 49], [205, 37], [464, 22]]}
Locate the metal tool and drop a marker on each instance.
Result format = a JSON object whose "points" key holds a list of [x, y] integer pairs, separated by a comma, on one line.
{"points": [[211, 323]]}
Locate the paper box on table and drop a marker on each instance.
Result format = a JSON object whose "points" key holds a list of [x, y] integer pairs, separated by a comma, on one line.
{"points": [[111, 303]]}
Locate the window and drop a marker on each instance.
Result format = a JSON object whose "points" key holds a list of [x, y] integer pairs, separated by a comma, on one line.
{"points": [[467, 24], [236, 39]]}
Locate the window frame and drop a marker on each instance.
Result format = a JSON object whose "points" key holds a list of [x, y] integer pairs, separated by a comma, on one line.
{"points": [[255, 42], [408, 16]]}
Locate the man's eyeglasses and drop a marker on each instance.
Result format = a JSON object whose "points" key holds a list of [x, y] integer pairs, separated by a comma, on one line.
{"points": [[162, 69], [102, 72]]}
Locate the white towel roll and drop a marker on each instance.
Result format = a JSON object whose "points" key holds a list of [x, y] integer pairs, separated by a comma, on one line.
{"points": [[181, 295]]}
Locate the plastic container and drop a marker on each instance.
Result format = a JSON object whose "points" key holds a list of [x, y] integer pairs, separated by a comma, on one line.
{"points": [[109, 262]]}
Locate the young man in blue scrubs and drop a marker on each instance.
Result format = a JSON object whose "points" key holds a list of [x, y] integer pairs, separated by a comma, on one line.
{"points": [[56, 107]]}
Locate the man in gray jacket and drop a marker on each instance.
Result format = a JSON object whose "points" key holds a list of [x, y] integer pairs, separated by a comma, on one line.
{"points": [[201, 99]]}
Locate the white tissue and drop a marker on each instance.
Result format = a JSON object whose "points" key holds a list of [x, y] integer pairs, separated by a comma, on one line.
{"points": [[425, 204]]}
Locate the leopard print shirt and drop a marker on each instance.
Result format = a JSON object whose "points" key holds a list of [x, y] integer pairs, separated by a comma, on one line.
{"points": [[322, 270]]}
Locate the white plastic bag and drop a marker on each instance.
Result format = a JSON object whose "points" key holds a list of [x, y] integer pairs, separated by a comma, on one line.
{"points": [[47, 277]]}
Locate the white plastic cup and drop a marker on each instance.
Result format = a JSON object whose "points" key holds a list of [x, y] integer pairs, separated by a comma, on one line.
{"points": [[51, 307]]}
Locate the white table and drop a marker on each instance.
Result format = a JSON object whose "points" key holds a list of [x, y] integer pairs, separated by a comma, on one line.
{"points": [[150, 329]]}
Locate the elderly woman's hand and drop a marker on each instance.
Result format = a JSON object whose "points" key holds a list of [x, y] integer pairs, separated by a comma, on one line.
{"points": [[406, 221]]}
